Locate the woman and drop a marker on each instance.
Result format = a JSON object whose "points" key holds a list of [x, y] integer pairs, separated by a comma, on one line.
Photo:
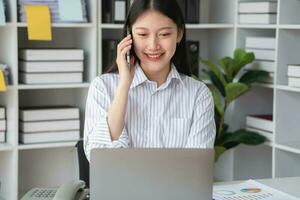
{"points": [[154, 104]]}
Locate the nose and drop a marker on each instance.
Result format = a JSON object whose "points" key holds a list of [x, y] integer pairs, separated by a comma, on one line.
{"points": [[153, 43]]}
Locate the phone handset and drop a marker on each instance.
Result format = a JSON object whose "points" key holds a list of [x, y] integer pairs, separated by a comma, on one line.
{"points": [[128, 53], [71, 190]]}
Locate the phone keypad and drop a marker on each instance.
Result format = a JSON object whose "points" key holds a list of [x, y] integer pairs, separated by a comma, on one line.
{"points": [[44, 193]]}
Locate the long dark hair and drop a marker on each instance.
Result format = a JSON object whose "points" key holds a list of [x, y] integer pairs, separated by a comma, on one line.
{"points": [[169, 8]]}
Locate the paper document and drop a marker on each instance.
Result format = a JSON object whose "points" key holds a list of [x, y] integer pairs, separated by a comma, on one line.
{"points": [[249, 190], [70, 10], [39, 22], [2, 13]]}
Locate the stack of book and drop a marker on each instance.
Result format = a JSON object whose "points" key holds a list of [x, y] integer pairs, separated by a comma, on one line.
{"points": [[51, 66], [294, 75], [264, 51], [263, 12], [263, 124], [53, 8], [52, 124], [2, 124]]}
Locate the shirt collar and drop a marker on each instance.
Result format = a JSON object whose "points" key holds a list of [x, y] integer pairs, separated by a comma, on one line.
{"points": [[140, 77]]}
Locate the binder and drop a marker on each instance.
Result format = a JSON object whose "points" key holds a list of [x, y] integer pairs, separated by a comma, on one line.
{"points": [[119, 11], [193, 56], [192, 11]]}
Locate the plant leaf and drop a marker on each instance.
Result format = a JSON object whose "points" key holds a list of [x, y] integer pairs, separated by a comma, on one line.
{"points": [[234, 90], [219, 150], [219, 105], [216, 82], [227, 64], [253, 76], [243, 136], [216, 71], [242, 58]]}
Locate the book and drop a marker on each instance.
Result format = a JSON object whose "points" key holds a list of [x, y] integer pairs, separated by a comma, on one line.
{"points": [[192, 11], [268, 66], [51, 54], [2, 125], [293, 82], [258, 7], [193, 56], [63, 66], [257, 18], [267, 134], [52, 136], [261, 122], [48, 113], [182, 5], [55, 125], [119, 11], [294, 71], [50, 78], [2, 113], [261, 42], [263, 54], [2, 136]]}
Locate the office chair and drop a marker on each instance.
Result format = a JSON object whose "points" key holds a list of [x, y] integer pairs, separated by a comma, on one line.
{"points": [[84, 165]]}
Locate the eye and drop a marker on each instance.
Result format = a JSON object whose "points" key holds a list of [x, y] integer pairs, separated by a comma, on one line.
{"points": [[165, 34], [142, 34]]}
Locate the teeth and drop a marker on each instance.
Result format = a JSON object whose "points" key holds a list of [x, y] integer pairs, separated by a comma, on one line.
{"points": [[154, 56]]}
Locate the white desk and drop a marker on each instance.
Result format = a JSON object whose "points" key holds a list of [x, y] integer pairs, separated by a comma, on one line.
{"points": [[287, 185]]}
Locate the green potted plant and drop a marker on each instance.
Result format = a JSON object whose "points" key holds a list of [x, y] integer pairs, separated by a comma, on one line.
{"points": [[228, 82]]}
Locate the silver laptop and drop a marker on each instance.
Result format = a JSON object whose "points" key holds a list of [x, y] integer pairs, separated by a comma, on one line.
{"points": [[151, 174]]}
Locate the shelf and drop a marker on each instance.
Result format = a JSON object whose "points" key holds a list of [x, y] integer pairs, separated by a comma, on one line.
{"points": [[293, 147], [8, 24], [188, 26], [209, 26], [257, 26], [62, 25], [5, 147], [289, 26], [53, 86], [287, 88], [47, 145]]}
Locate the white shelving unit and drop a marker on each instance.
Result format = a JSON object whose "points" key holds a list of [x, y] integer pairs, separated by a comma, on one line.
{"points": [[51, 164], [25, 166]]}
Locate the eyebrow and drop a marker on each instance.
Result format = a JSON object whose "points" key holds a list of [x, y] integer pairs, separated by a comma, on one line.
{"points": [[169, 27]]}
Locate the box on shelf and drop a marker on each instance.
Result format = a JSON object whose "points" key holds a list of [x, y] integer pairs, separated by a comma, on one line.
{"points": [[258, 7], [257, 18], [294, 71], [263, 54], [268, 66], [56, 66], [261, 42], [293, 82], [50, 78], [261, 122], [49, 124], [51, 54]]}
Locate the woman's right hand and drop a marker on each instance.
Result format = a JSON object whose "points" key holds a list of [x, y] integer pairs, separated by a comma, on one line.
{"points": [[126, 74]]}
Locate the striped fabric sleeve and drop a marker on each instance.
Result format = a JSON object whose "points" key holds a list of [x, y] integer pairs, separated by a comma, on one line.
{"points": [[203, 129], [96, 129]]}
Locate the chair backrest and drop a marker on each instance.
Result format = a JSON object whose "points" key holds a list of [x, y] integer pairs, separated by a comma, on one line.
{"points": [[84, 165]]}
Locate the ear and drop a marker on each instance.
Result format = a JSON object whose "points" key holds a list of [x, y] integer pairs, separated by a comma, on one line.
{"points": [[180, 35]]}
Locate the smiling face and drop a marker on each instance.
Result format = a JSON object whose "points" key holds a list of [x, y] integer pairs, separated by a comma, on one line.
{"points": [[155, 37]]}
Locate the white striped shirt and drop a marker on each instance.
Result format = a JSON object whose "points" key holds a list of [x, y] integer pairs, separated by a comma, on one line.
{"points": [[177, 114]]}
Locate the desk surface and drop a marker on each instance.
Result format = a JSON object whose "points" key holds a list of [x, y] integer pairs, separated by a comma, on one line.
{"points": [[287, 185]]}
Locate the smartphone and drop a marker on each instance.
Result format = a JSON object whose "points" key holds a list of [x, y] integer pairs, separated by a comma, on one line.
{"points": [[128, 53]]}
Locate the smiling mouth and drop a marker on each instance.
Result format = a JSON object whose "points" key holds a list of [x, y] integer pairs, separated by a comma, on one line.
{"points": [[154, 56]]}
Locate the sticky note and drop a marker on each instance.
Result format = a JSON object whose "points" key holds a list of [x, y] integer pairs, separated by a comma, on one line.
{"points": [[38, 22], [2, 13], [2, 81], [70, 10]]}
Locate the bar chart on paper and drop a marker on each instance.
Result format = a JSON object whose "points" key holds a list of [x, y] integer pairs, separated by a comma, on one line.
{"points": [[248, 190]]}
